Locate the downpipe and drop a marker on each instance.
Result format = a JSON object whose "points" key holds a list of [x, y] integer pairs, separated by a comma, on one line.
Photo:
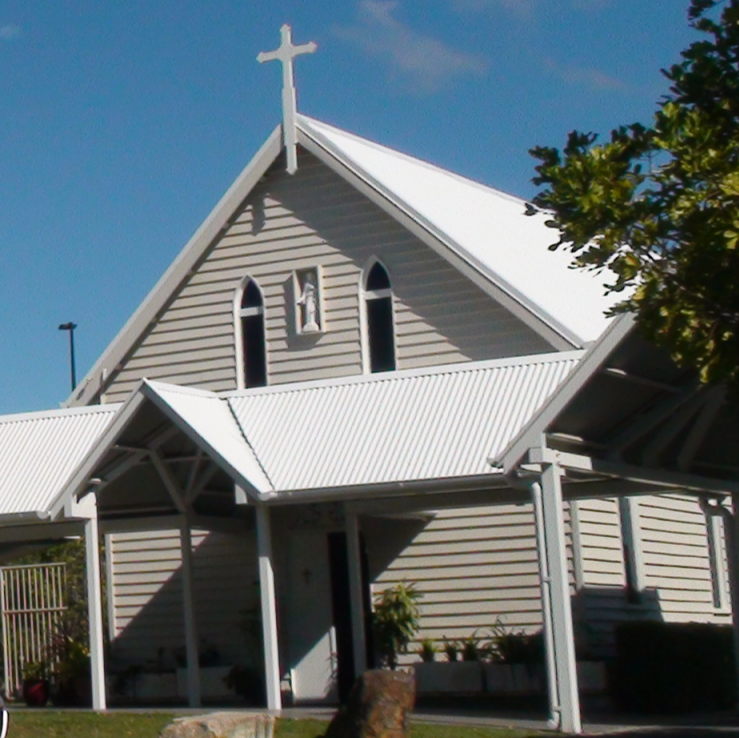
{"points": [[555, 718]]}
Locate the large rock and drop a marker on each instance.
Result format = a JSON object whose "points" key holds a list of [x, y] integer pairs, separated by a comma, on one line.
{"points": [[378, 707], [222, 725]]}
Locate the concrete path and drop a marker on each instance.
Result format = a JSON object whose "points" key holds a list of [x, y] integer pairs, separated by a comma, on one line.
{"points": [[724, 725]]}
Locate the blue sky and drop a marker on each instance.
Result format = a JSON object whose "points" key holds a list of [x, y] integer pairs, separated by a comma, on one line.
{"points": [[122, 124]]}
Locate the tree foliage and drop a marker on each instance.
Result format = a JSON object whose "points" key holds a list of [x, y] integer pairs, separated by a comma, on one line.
{"points": [[659, 205]]}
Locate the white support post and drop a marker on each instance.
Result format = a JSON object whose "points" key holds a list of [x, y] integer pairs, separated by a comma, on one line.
{"points": [[731, 529], [95, 610], [269, 609], [109, 588], [356, 592], [188, 611], [562, 630]]}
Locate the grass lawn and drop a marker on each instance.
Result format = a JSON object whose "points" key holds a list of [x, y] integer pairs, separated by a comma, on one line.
{"points": [[69, 724]]}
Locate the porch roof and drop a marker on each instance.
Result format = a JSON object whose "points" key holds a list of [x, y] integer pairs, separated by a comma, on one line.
{"points": [[330, 436], [629, 412], [39, 452]]}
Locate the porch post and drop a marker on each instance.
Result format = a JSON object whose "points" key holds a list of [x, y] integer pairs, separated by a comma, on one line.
{"points": [[269, 609], [188, 611], [95, 609], [731, 534], [356, 592], [562, 630]]}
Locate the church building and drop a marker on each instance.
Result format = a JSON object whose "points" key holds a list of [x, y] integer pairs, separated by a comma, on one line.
{"points": [[364, 370]]}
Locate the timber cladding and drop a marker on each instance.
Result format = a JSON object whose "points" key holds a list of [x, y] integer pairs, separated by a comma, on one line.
{"points": [[316, 219]]}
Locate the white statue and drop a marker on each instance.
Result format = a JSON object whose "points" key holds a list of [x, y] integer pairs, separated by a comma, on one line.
{"points": [[309, 302]]}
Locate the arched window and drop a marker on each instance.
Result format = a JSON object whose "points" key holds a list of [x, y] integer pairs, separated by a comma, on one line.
{"points": [[380, 333], [253, 345]]}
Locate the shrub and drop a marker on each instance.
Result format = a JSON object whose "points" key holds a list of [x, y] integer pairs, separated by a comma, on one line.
{"points": [[395, 621], [427, 652], [472, 648], [673, 667], [451, 649]]}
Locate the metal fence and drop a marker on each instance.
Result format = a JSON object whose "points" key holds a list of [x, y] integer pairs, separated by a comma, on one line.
{"points": [[32, 601]]}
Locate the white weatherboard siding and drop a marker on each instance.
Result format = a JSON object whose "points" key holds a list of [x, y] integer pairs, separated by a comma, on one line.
{"points": [[676, 558], [316, 218], [475, 567], [675, 565], [147, 587]]}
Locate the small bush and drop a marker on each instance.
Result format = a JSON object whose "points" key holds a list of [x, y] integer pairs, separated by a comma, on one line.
{"points": [[395, 621], [427, 652], [451, 649], [673, 667], [472, 648]]}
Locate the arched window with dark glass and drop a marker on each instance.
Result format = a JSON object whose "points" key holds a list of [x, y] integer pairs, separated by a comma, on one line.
{"points": [[380, 332], [253, 341]]}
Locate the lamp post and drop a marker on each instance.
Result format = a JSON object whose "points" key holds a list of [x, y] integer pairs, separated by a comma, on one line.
{"points": [[70, 327]]}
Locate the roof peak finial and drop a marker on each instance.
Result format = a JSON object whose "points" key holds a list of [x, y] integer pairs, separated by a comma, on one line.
{"points": [[286, 52]]}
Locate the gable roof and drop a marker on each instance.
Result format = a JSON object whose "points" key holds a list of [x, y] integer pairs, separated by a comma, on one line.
{"points": [[395, 427], [329, 437], [40, 451], [629, 411], [487, 228], [481, 231]]}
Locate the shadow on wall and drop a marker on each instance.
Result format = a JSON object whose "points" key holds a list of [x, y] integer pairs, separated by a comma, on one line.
{"points": [[597, 610], [149, 597]]}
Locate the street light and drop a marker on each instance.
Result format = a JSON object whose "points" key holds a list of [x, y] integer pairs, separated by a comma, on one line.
{"points": [[70, 327]]}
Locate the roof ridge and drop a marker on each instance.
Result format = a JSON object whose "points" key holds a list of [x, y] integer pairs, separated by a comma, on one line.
{"points": [[415, 160], [61, 412], [242, 430], [401, 374]]}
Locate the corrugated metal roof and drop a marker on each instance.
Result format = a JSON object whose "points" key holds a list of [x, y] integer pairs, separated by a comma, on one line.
{"points": [[400, 426], [210, 418], [488, 226], [39, 452]]}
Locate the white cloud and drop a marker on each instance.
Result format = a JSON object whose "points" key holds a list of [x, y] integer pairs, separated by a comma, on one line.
{"points": [[524, 8], [519, 7], [9, 32], [424, 62], [585, 76]]}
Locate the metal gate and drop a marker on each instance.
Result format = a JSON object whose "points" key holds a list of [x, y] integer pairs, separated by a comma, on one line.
{"points": [[32, 610]]}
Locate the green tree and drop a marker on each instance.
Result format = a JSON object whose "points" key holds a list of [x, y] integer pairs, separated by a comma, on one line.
{"points": [[659, 206]]}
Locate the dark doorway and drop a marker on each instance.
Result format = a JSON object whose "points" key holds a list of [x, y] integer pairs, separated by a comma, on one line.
{"points": [[341, 609]]}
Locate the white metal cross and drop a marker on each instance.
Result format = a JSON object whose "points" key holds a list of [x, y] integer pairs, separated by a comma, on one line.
{"points": [[285, 54]]}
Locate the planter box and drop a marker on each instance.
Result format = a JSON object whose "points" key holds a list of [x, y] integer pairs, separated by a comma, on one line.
{"points": [[448, 676], [154, 687], [212, 685], [512, 679], [172, 686], [460, 677]]}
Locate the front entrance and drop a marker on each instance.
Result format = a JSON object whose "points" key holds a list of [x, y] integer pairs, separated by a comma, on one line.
{"points": [[311, 649]]}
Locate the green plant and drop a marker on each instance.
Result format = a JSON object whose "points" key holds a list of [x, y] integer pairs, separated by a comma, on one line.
{"points": [[516, 647], [35, 670], [73, 660], [395, 621], [451, 649], [472, 648], [428, 650]]}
